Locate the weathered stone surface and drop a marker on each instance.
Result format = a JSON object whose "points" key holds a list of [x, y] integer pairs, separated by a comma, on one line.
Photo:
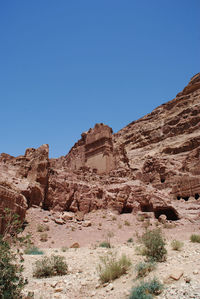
{"points": [[13, 201], [176, 274], [152, 165], [25, 179], [93, 151], [75, 245]]}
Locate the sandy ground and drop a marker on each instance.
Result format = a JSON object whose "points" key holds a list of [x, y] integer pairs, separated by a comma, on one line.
{"points": [[82, 281]]}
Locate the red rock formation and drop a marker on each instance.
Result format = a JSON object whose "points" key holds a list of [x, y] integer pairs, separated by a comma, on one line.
{"points": [[151, 156], [152, 165], [24, 180], [93, 150], [13, 201]]}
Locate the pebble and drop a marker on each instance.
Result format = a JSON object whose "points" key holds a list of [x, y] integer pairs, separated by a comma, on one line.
{"points": [[195, 272]]}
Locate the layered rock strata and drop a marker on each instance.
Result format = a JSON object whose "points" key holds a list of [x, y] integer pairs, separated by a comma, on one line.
{"points": [[24, 180], [150, 166]]}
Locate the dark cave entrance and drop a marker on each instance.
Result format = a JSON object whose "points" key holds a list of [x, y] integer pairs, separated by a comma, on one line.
{"points": [[162, 180], [196, 196], [146, 207], [186, 198], [126, 210], [168, 211]]}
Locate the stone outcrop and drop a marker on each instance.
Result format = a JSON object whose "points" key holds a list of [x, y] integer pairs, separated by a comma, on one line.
{"points": [[24, 180], [12, 200], [94, 150], [150, 166], [99, 149], [154, 161]]}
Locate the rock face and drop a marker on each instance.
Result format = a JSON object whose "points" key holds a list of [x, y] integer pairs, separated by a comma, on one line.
{"points": [[94, 150], [24, 180], [152, 165], [12, 200]]}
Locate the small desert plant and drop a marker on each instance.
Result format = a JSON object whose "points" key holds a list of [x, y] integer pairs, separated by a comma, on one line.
{"points": [[50, 266], [127, 223], [154, 245], [130, 240], [114, 218], [112, 268], [195, 238], [109, 235], [119, 226], [146, 223], [140, 218], [140, 250], [105, 244], [176, 245], [169, 225], [33, 251], [144, 268], [64, 249], [42, 228], [146, 290], [44, 237]]}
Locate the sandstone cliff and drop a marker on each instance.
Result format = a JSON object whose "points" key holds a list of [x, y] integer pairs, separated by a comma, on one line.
{"points": [[151, 165]]}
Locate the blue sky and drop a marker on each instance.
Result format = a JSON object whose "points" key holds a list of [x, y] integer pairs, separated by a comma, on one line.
{"points": [[66, 65]]}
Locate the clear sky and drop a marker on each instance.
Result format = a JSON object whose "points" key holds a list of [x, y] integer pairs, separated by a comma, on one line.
{"points": [[68, 64]]}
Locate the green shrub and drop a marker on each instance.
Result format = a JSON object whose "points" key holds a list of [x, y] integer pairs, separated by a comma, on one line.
{"points": [[140, 250], [64, 249], [11, 279], [144, 268], [112, 268], [154, 245], [42, 228], [105, 244], [127, 223], [140, 218], [195, 238], [146, 290], [176, 245], [33, 251], [130, 240], [44, 237], [50, 266], [146, 223]]}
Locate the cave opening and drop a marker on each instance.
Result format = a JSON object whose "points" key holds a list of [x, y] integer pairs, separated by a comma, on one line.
{"points": [[196, 196], [126, 210], [186, 198], [162, 180], [168, 211], [178, 197], [100, 194], [146, 207]]}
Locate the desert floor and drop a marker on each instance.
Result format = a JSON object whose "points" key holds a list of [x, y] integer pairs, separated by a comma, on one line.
{"points": [[82, 280]]}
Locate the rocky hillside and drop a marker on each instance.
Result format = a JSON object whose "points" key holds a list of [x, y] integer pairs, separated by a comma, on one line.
{"points": [[152, 166]]}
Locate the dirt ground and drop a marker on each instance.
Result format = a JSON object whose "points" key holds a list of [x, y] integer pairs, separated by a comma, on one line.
{"points": [[82, 280]]}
